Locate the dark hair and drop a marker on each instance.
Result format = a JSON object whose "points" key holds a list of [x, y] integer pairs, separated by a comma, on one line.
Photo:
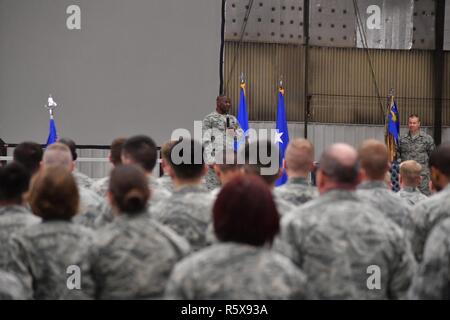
{"points": [[28, 154], [142, 150], [440, 159], [72, 146], [129, 188], [254, 163], [229, 162], [191, 165], [54, 194], [413, 115], [242, 217], [338, 171], [14, 180], [116, 151]]}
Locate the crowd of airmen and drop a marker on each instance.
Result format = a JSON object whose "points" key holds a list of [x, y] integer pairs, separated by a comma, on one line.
{"points": [[132, 235]]}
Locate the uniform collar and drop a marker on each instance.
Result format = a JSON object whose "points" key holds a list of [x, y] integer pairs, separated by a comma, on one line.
{"points": [[299, 180], [372, 184]]}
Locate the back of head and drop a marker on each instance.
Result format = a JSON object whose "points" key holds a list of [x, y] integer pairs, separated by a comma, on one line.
{"points": [[262, 158], [54, 194], [339, 163], [186, 159], [72, 146], [240, 216], [299, 156], [116, 151], [141, 150], [165, 149], [29, 154], [14, 180], [410, 172], [374, 159], [58, 154], [228, 162], [440, 159], [129, 189]]}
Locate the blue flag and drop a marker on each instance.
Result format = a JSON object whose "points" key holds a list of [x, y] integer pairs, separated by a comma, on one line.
{"points": [[283, 134], [242, 115], [52, 135], [394, 121]]}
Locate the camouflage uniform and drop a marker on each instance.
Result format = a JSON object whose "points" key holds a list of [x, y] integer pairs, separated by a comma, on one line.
{"points": [[425, 215], [412, 195], [166, 182], [158, 194], [82, 179], [418, 148], [10, 287], [233, 271], [13, 219], [335, 238], [101, 186], [432, 280], [91, 206], [296, 191], [214, 130], [40, 256], [282, 205], [377, 194], [134, 256], [188, 211]]}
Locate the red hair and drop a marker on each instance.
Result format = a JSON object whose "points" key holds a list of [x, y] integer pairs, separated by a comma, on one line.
{"points": [[245, 212]]}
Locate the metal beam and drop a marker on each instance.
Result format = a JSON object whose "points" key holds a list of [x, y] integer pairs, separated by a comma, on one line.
{"points": [[438, 69]]}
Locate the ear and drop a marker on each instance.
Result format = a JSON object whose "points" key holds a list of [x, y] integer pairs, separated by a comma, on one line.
{"points": [[72, 166], [217, 170], [170, 172], [124, 158], [400, 180], [285, 164]]}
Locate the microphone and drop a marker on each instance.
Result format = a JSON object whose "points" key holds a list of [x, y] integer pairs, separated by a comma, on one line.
{"points": [[228, 122]]}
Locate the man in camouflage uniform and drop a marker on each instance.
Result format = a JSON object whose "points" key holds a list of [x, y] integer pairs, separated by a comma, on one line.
{"points": [[298, 164], [220, 131], [427, 213], [142, 151], [165, 180], [409, 181], [188, 211], [336, 238], [101, 186], [255, 165], [417, 145], [82, 179], [374, 162], [432, 280], [91, 204], [14, 216]]}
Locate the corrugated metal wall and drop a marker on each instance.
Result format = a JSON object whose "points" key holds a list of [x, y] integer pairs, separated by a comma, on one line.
{"points": [[340, 82]]}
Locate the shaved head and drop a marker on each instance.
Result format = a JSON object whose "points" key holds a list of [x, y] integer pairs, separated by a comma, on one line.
{"points": [[299, 156], [374, 159], [58, 154], [339, 163]]}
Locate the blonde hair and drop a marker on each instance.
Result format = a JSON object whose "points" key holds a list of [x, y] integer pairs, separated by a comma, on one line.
{"points": [[410, 171], [299, 155]]}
